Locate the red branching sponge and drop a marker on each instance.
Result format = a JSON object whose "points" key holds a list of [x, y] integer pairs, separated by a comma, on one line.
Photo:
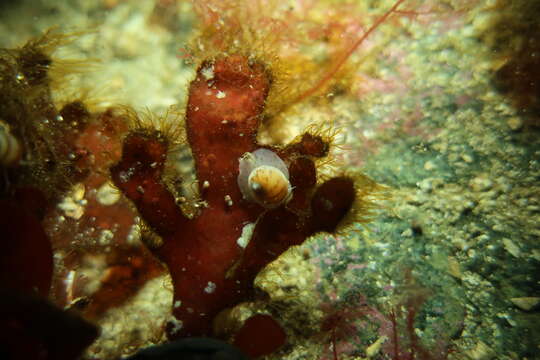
{"points": [[26, 261], [260, 335], [257, 201]]}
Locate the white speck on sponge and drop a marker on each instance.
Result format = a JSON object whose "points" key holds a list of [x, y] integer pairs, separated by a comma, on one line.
{"points": [[210, 287], [106, 237], [176, 325], [208, 72], [220, 94], [107, 194], [244, 238], [73, 204]]}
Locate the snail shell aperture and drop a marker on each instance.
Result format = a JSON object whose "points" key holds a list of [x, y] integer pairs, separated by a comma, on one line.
{"points": [[10, 149], [263, 178]]}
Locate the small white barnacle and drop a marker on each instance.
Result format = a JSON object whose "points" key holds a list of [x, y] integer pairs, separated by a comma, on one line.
{"points": [[263, 178], [10, 148]]}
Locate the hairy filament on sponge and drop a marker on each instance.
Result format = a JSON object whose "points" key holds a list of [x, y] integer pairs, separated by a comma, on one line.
{"points": [[170, 128], [368, 197]]}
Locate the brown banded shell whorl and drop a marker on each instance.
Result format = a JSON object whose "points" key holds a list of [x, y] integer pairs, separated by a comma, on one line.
{"points": [[263, 178]]}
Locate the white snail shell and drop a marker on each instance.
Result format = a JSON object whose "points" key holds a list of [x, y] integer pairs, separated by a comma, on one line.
{"points": [[10, 149], [263, 178]]}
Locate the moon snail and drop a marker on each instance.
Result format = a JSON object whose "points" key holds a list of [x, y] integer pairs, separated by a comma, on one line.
{"points": [[263, 178]]}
